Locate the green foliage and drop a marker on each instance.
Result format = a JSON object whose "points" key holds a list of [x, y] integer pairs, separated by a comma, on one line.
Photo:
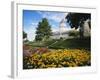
{"points": [[43, 30], [24, 35], [76, 20], [74, 33]]}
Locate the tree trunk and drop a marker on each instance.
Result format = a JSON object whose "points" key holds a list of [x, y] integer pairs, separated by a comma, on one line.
{"points": [[81, 30]]}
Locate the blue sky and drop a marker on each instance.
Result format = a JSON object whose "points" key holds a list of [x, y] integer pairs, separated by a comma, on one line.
{"points": [[31, 19]]}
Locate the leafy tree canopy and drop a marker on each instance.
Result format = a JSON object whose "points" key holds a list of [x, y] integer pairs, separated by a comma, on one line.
{"points": [[43, 31], [75, 19]]}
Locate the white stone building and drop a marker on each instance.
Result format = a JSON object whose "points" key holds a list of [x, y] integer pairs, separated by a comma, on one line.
{"points": [[63, 32], [87, 30]]}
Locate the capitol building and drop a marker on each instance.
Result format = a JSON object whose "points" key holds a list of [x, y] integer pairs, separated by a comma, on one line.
{"points": [[63, 31]]}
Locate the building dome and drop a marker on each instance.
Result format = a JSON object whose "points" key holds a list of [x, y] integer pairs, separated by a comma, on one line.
{"points": [[62, 27], [62, 32]]}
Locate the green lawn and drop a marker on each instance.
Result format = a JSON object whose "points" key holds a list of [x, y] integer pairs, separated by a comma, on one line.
{"points": [[72, 43], [64, 43]]}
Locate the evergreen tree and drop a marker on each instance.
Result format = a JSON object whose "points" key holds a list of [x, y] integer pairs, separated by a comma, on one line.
{"points": [[43, 31]]}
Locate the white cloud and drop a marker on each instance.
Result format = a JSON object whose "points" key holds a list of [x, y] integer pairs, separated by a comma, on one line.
{"points": [[55, 16], [31, 31], [34, 24], [55, 28]]}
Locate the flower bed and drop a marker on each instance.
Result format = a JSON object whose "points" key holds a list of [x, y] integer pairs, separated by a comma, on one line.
{"points": [[58, 58]]}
